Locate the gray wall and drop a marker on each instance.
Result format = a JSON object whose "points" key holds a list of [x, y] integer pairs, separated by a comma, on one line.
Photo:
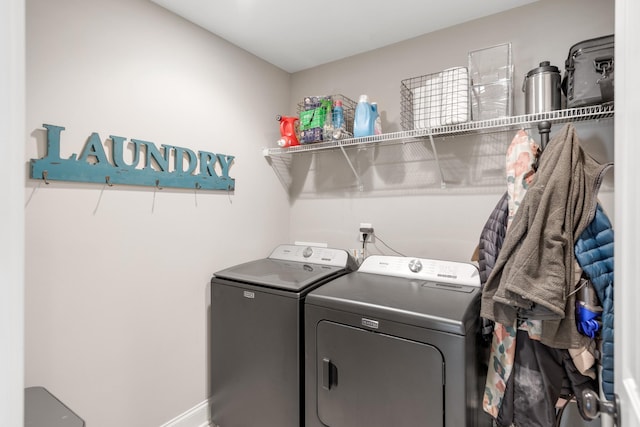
{"points": [[401, 194], [117, 277]]}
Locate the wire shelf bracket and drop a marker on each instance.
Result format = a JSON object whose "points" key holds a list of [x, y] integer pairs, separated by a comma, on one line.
{"points": [[503, 124]]}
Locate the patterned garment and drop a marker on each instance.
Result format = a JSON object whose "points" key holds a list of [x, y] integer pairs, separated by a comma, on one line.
{"points": [[501, 361], [521, 160], [503, 351]]}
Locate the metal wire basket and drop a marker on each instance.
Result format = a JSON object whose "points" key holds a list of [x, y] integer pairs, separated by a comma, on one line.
{"points": [[435, 100], [314, 114]]}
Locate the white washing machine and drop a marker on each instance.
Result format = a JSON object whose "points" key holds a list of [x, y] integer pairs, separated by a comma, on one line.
{"points": [[396, 343]]}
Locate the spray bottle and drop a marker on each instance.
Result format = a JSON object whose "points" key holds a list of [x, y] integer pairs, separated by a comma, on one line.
{"points": [[338, 120]]}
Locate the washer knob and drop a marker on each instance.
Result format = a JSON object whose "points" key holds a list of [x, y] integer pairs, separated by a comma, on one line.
{"points": [[415, 265], [307, 252]]}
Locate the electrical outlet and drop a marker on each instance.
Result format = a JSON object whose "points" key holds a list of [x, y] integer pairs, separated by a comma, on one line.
{"points": [[366, 228]]}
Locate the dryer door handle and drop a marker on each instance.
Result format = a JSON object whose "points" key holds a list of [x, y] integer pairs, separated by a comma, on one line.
{"points": [[329, 374]]}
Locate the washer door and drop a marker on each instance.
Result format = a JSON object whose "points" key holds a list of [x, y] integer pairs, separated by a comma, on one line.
{"points": [[369, 379]]}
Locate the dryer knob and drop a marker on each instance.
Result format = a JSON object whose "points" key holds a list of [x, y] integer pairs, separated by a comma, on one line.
{"points": [[307, 252], [415, 265]]}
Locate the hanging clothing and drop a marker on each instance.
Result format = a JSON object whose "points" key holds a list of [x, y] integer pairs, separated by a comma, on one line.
{"points": [[507, 380], [489, 245], [492, 237], [521, 159], [541, 375], [533, 275], [594, 252]]}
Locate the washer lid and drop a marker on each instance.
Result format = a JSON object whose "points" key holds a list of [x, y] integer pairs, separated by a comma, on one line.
{"points": [[291, 267]]}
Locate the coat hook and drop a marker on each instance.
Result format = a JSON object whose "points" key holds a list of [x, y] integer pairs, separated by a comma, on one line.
{"points": [[108, 180], [158, 184], [44, 177]]}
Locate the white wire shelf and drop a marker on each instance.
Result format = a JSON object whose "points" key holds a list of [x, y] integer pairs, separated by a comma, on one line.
{"points": [[595, 112]]}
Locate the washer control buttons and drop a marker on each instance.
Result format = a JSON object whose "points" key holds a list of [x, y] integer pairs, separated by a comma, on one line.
{"points": [[415, 265], [307, 252]]}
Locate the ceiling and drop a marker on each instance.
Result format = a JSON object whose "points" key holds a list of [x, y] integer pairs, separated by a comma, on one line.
{"points": [[298, 34]]}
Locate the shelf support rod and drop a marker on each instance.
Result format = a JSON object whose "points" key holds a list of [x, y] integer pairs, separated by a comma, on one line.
{"points": [[443, 184], [352, 168], [544, 128]]}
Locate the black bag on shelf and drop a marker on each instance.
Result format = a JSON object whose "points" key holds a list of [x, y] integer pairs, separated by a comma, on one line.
{"points": [[588, 77]]}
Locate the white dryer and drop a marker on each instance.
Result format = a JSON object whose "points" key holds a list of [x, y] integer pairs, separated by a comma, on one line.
{"points": [[396, 343]]}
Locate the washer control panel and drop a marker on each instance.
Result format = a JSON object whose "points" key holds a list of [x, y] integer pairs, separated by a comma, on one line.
{"points": [[311, 254], [459, 273]]}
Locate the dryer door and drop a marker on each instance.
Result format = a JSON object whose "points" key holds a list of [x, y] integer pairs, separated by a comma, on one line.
{"points": [[369, 379]]}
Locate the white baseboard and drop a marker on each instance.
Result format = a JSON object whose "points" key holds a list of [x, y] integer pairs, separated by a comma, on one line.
{"points": [[198, 416]]}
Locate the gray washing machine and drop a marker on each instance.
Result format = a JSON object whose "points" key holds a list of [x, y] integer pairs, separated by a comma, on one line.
{"points": [[256, 332], [396, 343]]}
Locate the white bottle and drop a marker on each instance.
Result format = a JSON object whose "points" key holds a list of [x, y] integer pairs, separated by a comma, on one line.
{"points": [[377, 124]]}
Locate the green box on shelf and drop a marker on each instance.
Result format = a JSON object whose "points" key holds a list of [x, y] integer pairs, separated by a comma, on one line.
{"points": [[315, 117]]}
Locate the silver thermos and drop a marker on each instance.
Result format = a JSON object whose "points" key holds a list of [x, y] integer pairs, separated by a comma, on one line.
{"points": [[541, 88]]}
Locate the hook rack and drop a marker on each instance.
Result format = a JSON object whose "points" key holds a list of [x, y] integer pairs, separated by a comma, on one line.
{"points": [[110, 170]]}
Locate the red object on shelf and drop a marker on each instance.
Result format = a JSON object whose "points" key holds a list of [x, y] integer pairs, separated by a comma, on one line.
{"points": [[288, 136]]}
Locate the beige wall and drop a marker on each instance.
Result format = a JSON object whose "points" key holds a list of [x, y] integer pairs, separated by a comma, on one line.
{"points": [[117, 277], [12, 121], [401, 194]]}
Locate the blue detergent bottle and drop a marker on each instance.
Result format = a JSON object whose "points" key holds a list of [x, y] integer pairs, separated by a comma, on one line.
{"points": [[338, 120], [363, 123]]}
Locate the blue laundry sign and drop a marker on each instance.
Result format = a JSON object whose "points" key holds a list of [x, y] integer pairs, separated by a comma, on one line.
{"points": [[168, 166]]}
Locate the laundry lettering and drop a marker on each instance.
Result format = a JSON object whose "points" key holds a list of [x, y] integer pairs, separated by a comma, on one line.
{"points": [[133, 162]]}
